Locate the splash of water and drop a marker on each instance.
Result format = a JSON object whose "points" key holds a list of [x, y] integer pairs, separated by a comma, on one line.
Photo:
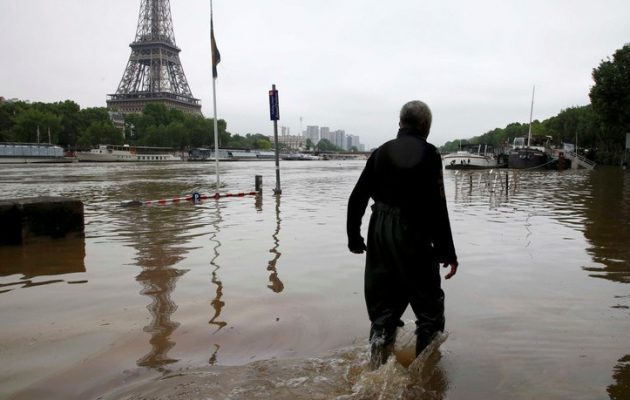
{"points": [[403, 376]]}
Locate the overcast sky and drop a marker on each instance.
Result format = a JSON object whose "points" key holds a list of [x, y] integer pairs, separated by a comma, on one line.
{"points": [[345, 64]]}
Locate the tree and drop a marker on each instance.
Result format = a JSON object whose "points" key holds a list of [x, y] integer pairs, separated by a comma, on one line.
{"points": [[178, 135], [69, 112], [580, 122], [237, 142], [309, 144], [610, 96], [258, 141], [6, 121], [156, 114], [326, 145], [100, 132], [224, 135], [156, 135], [70, 125], [93, 114], [31, 121], [199, 130]]}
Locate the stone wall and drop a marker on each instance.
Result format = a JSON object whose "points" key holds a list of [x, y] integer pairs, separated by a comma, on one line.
{"points": [[23, 220]]}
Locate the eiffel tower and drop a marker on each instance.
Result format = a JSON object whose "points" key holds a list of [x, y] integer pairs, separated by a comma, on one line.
{"points": [[154, 73]]}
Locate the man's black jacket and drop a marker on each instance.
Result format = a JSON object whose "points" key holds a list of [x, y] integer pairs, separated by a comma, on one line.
{"points": [[406, 173]]}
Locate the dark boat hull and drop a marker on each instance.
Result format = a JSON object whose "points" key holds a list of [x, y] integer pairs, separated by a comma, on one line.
{"points": [[465, 166], [528, 159]]}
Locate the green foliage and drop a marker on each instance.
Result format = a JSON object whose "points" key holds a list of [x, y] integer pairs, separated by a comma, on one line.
{"points": [[610, 97], [93, 114], [100, 132], [325, 145], [249, 141], [580, 122], [27, 124], [160, 126], [71, 126]]}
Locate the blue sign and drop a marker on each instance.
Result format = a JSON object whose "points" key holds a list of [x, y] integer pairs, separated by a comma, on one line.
{"points": [[274, 106]]}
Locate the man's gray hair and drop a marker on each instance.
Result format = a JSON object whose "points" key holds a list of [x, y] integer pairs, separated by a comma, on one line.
{"points": [[416, 115]]}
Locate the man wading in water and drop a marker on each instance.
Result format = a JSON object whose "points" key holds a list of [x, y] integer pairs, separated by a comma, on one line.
{"points": [[408, 236]]}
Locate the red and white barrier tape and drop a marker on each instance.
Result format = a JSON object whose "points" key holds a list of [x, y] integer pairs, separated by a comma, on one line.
{"points": [[195, 197]]}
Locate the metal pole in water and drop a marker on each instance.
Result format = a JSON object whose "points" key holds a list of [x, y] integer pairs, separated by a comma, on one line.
{"points": [[258, 183], [274, 109]]}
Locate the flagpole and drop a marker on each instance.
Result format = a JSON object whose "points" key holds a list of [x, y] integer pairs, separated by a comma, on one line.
{"points": [[214, 103]]}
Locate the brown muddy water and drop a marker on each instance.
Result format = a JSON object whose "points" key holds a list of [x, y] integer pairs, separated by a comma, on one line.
{"points": [[258, 298]]}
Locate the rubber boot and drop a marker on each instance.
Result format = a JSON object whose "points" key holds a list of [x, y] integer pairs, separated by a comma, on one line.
{"points": [[423, 339], [381, 346]]}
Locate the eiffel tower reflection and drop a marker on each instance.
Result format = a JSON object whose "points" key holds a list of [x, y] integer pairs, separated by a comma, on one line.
{"points": [[158, 284], [159, 248]]}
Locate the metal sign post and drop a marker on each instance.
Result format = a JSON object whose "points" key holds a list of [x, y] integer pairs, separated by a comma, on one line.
{"points": [[274, 113]]}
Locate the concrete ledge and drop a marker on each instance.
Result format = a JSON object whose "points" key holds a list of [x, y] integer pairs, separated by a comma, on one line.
{"points": [[23, 220]]}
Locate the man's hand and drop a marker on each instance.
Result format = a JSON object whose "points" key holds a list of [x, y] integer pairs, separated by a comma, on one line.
{"points": [[357, 246], [453, 271]]}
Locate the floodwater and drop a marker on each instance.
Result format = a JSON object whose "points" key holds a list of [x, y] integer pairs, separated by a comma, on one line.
{"points": [[258, 297]]}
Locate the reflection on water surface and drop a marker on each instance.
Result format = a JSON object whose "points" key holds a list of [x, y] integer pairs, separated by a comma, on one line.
{"points": [[259, 296], [608, 224], [275, 283], [216, 303], [34, 261]]}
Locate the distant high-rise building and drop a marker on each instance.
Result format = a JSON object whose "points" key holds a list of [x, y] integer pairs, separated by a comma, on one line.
{"points": [[312, 133], [339, 137], [285, 130], [324, 133], [353, 141]]}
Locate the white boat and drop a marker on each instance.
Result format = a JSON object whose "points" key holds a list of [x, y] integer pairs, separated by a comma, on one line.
{"points": [[126, 153], [465, 159], [27, 153], [204, 154], [300, 157]]}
